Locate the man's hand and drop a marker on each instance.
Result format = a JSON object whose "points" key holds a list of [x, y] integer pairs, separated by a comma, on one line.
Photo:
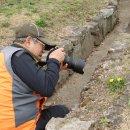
{"points": [[63, 66], [58, 54]]}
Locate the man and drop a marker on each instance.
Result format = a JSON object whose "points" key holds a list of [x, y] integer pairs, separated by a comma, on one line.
{"points": [[24, 85]]}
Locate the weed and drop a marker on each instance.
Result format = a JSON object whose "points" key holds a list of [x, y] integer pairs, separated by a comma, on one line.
{"points": [[116, 84], [28, 5], [34, 10], [11, 2], [7, 10], [5, 24], [112, 65], [32, 3], [28, 14], [104, 121], [41, 22], [2, 37]]}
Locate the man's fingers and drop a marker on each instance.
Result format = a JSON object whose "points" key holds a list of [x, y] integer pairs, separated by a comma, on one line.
{"points": [[62, 49]]}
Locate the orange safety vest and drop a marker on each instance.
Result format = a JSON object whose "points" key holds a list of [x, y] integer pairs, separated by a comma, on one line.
{"points": [[19, 106]]}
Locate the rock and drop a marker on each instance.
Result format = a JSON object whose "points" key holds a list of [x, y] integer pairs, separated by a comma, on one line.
{"points": [[68, 124], [107, 12]]}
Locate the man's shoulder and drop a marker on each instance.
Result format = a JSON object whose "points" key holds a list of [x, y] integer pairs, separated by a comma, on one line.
{"points": [[22, 54]]}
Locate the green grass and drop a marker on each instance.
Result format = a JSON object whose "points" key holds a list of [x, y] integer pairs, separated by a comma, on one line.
{"points": [[66, 11], [7, 11], [104, 121], [15, 6], [52, 15], [34, 10], [116, 84], [41, 22]]}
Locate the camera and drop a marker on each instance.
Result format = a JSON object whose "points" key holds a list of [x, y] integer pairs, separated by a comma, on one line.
{"points": [[76, 64]]}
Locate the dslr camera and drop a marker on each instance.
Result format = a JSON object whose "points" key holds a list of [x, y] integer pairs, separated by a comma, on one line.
{"points": [[76, 64]]}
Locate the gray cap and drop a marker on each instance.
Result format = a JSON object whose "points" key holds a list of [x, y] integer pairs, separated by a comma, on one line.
{"points": [[31, 29]]}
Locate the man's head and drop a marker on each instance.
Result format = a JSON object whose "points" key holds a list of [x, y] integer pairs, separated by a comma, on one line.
{"points": [[32, 38]]}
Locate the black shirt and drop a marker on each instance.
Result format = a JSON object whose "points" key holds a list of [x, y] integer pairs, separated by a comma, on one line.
{"points": [[42, 81]]}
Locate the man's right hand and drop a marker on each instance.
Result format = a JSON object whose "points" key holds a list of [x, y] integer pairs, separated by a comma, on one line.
{"points": [[58, 54]]}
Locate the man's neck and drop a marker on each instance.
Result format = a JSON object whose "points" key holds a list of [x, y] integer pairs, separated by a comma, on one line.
{"points": [[37, 59]]}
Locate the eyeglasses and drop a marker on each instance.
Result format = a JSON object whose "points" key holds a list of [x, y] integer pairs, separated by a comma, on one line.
{"points": [[36, 40]]}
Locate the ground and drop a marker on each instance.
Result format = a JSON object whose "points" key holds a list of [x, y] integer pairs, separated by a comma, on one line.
{"points": [[89, 91], [53, 16], [88, 95]]}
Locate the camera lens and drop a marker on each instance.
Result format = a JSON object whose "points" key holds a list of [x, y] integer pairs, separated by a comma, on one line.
{"points": [[75, 64]]}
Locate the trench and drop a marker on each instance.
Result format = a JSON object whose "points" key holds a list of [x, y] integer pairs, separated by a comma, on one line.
{"points": [[69, 93]]}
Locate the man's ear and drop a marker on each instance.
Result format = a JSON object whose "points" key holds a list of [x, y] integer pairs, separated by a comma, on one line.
{"points": [[28, 41]]}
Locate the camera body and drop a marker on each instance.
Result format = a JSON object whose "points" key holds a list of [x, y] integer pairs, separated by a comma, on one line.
{"points": [[76, 64]]}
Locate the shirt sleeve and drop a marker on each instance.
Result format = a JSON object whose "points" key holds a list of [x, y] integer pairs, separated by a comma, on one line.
{"points": [[42, 81]]}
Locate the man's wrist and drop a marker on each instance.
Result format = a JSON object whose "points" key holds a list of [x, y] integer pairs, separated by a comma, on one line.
{"points": [[53, 60]]}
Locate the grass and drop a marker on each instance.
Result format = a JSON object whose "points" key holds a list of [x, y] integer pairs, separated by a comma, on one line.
{"points": [[116, 84], [41, 22], [104, 121], [2, 37], [73, 11], [5, 24], [52, 15]]}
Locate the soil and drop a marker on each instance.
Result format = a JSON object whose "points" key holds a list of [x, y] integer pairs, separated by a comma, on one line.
{"points": [[125, 125], [87, 94], [58, 15]]}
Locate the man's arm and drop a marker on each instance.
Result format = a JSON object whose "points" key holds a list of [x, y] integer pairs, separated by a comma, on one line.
{"points": [[39, 80]]}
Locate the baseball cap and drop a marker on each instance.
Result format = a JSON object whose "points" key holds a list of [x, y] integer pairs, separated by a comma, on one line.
{"points": [[31, 29]]}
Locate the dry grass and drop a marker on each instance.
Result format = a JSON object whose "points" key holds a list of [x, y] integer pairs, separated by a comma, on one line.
{"points": [[125, 125], [52, 15]]}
